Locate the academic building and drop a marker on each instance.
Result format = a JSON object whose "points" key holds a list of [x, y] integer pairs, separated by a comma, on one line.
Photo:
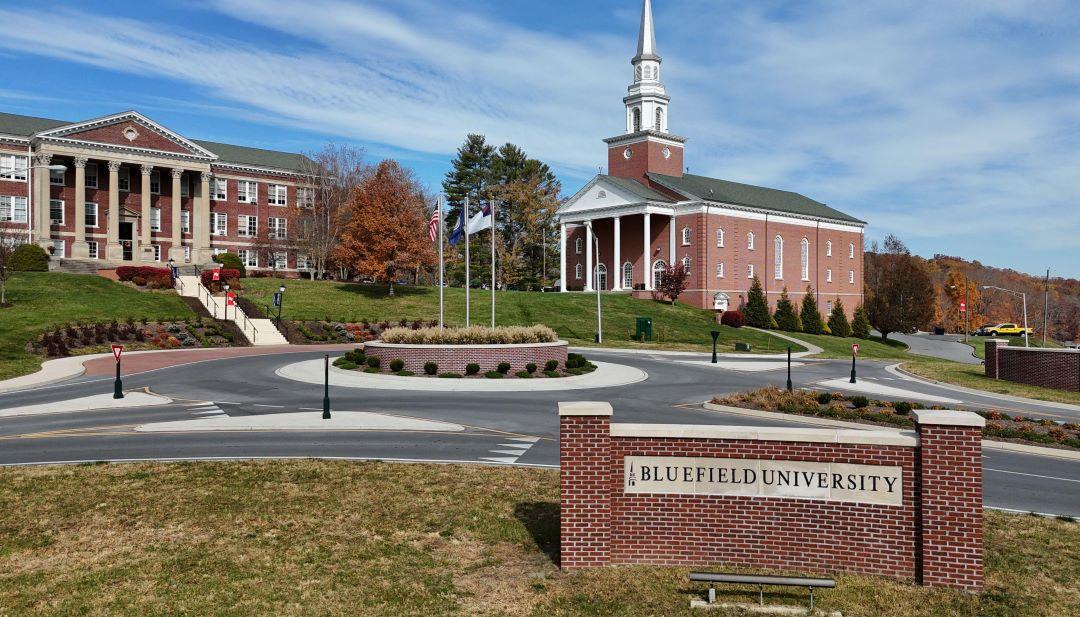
{"points": [[621, 230], [124, 189]]}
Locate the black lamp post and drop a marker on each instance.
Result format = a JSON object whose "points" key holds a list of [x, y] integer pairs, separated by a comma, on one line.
{"points": [[281, 301], [789, 368], [715, 335], [226, 288], [326, 389]]}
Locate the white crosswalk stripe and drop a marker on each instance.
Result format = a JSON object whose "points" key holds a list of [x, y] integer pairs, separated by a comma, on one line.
{"points": [[512, 450], [206, 411]]}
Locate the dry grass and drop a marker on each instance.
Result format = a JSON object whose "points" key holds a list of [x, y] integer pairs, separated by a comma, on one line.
{"points": [[473, 335], [335, 538]]}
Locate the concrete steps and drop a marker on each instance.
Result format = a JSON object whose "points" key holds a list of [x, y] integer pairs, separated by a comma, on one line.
{"points": [[75, 266], [258, 332], [267, 333]]}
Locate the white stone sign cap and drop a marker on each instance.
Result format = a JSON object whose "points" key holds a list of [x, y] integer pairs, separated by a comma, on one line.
{"points": [[585, 408], [948, 417]]}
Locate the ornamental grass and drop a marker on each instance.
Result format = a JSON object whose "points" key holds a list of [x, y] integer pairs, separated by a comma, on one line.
{"points": [[473, 335]]}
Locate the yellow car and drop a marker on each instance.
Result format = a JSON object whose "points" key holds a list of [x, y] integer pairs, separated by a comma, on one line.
{"points": [[1004, 329]]}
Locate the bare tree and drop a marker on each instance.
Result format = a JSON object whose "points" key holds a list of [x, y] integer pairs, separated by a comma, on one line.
{"points": [[9, 239], [268, 244], [320, 213]]}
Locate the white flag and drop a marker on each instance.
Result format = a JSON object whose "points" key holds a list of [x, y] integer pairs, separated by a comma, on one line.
{"points": [[481, 220]]}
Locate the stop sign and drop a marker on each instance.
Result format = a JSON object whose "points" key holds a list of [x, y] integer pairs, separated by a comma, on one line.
{"points": [[963, 306]]}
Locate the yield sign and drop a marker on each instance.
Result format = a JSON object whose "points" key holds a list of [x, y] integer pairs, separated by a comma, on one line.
{"points": [[116, 351], [855, 349]]}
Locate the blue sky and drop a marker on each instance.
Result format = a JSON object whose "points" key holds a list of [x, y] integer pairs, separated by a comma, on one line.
{"points": [[953, 124]]}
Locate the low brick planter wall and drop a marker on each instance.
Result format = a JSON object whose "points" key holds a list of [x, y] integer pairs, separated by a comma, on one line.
{"points": [[907, 506], [1049, 368], [454, 358]]}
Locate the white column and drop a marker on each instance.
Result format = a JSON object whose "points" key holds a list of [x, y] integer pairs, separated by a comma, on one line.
{"points": [[80, 249], [671, 241], [145, 251], [200, 222], [176, 251], [44, 227], [617, 266], [646, 253], [562, 256], [113, 251], [588, 256]]}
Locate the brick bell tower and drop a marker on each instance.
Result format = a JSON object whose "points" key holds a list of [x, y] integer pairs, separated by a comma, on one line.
{"points": [[647, 146]]}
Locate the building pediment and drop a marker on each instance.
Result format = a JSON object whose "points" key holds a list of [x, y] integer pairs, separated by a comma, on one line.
{"points": [[129, 130], [604, 194]]}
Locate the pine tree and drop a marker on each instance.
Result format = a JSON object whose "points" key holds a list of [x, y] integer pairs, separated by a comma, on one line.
{"points": [[810, 315], [860, 325], [756, 310], [787, 318], [838, 321]]}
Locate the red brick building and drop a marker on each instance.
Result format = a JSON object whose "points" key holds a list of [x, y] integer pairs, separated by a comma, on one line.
{"points": [[125, 189], [623, 228]]}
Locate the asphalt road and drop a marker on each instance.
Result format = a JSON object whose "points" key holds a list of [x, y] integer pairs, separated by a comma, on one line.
{"points": [[249, 386], [947, 346]]}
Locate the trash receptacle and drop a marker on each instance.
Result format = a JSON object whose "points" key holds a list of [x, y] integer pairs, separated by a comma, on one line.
{"points": [[644, 329]]}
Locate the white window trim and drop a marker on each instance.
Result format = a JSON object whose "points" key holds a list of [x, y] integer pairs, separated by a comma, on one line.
{"points": [[220, 189], [778, 260], [6, 167], [686, 263], [123, 179], [628, 275], [9, 202], [249, 257], [278, 194], [155, 219], [97, 214], [305, 197], [302, 262], [577, 246], [280, 230], [851, 250], [851, 277], [719, 269], [750, 241], [157, 251], [61, 174], [91, 176], [719, 237], [92, 249], [749, 271], [187, 254], [281, 260], [244, 224], [686, 233], [828, 275], [828, 248], [185, 221], [219, 230], [244, 188], [63, 206], [578, 269], [62, 246], [804, 259], [155, 173]]}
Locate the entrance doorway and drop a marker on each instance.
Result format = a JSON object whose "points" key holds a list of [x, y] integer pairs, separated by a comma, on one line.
{"points": [[127, 239], [601, 277]]}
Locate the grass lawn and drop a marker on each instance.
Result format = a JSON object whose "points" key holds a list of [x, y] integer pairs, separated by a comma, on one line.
{"points": [[869, 349], [974, 376], [321, 538], [45, 300], [572, 315]]}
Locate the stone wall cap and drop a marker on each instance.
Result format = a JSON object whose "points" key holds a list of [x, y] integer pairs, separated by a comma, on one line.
{"points": [[948, 417], [585, 408], [997, 340], [768, 433], [378, 344], [1042, 349]]}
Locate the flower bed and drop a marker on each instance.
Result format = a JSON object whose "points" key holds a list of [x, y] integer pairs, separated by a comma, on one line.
{"points": [[835, 405], [524, 361], [81, 339], [145, 276], [474, 335], [330, 331]]}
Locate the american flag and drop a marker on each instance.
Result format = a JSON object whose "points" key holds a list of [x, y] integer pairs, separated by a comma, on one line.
{"points": [[433, 225]]}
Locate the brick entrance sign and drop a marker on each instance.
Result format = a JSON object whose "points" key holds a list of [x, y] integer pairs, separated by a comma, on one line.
{"points": [[904, 505]]}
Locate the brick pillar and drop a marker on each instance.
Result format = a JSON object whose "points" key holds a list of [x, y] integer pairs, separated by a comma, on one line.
{"points": [[991, 361], [950, 499], [584, 484]]}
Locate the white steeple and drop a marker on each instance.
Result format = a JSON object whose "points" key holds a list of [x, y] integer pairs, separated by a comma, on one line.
{"points": [[647, 103]]}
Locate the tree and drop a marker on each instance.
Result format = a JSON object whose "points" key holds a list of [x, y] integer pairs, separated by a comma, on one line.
{"points": [[838, 321], [268, 246], [673, 281], [386, 235], [958, 288], [319, 213], [810, 314], [786, 317], [900, 295], [860, 324], [9, 239], [757, 308]]}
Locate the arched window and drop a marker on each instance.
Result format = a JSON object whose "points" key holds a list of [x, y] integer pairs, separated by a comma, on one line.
{"points": [[577, 247], [658, 269], [828, 248], [601, 277], [778, 249], [686, 236], [804, 259], [577, 271], [637, 119], [719, 269], [851, 251], [720, 238], [749, 271], [851, 277], [686, 264], [659, 119], [750, 241], [828, 275], [637, 73], [628, 275]]}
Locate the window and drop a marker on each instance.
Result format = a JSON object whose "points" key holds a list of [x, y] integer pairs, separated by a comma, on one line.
{"points": [[577, 271], [91, 215], [601, 277], [657, 271], [123, 179], [187, 253], [828, 306], [804, 259], [750, 241], [749, 271], [155, 219], [155, 182], [778, 249], [851, 277], [659, 119], [305, 197], [302, 262], [628, 275], [247, 192], [250, 258], [719, 269], [828, 275], [828, 248], [12, 209], [281, 261], [219, 251], [686, 264], [219, 224], [720, 238], [56, 176], [13, 167], [248, 226], [577, 246], [277, 194], [221, 189], [686, 236], [91, 177], [637, 120], [59, 248], [185, 221], [56, 212], [157, 251], [185, 185], [92, 251], [851, 250], [277, 228]]}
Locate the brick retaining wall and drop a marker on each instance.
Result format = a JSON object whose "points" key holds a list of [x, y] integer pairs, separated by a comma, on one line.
{"points": [[454, 358], [1049, 368], [934, 535]]}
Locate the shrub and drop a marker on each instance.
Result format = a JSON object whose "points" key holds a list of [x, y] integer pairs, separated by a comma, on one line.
{"points": [[860, 402], [493, 375], [374, 362], [553, 373], [524, 374], [29, 258], [397, 364], [450, 375], [735, 319], [551, 365], [809, 314], [472, 368], [756, 309], [371, 369], [903, 407], [138, 280], [504, 367], [575, 361], [531, 367], [347, 366], [824, 398], [860, 325], [227, 274], [404, 373], [786, 317], [430, 368], [474, 335], [231, 261], [838, 321]]}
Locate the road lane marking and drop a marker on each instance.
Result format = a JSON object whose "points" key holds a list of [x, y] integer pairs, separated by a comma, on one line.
{"points": [[1032, 475], [191, 459], [512, 455]]}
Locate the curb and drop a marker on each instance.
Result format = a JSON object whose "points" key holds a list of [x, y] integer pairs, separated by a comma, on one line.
{"points": [[988, 444], [897, 369]]}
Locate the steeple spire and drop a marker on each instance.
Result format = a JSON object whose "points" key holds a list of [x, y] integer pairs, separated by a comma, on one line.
{"points": [[646, 46]]}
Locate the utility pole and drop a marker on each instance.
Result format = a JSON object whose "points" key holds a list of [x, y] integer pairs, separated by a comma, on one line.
{"points": [[1046, 305]]}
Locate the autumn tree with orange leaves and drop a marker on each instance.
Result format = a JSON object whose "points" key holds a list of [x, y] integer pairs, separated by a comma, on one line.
{"points": [[386, 236]]}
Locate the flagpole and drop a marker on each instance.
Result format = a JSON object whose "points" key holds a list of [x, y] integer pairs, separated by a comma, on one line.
{"points": [[465, 218], [492, 204], [439, 205]]}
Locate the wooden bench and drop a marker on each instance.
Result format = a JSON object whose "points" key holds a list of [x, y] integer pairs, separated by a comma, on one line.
{"points": [[760, 581]]}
